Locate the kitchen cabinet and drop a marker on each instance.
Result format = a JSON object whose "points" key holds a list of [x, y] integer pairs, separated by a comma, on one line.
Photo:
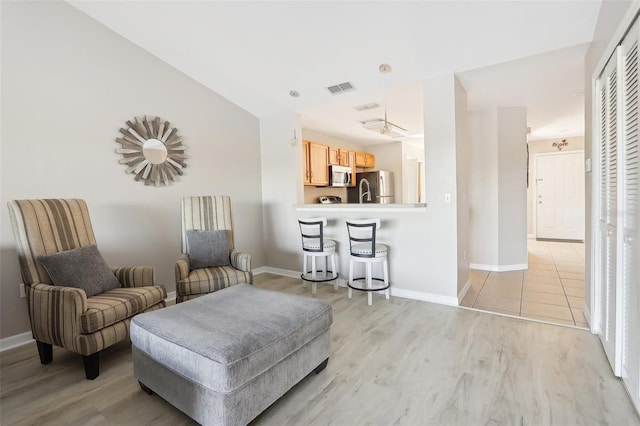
{"points": [[307, 172], [352, 163], [316, 158], [364, 159], [334, 156], [338, 156], [344, 158]]}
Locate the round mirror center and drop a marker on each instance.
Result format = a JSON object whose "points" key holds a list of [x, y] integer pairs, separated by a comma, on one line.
{"points": [[154, 151]]}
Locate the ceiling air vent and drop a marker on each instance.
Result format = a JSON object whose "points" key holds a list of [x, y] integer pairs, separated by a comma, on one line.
{"points": [[366, 107], [341, 88]]}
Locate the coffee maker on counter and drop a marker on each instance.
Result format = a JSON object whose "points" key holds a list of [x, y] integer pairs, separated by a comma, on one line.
{"points": [[330, 199]]}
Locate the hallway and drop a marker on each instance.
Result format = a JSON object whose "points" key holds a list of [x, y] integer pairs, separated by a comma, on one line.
{"points": [[551, 290]]}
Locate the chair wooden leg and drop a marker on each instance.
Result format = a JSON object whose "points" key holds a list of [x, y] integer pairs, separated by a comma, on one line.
{"points": [[91, 365], [45, 350]]}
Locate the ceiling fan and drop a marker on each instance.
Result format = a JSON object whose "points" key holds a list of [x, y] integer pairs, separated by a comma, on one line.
{"points": [[385, 127]]}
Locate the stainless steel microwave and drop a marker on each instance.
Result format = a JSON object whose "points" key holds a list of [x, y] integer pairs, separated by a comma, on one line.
{"points": [[339, 176]]}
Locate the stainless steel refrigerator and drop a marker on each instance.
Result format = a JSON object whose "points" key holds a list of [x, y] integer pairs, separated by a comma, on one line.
{"points": [[372, 187]]}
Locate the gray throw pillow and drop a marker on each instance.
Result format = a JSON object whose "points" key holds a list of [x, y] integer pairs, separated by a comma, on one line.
{"points": [[208, 248], [82, 268]]}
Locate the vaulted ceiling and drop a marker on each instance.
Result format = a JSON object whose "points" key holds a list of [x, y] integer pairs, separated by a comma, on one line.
{"points": [[506, 53]]}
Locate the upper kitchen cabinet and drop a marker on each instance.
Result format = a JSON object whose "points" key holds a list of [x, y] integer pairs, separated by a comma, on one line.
{"points": [[352, 164], [316, 157], [365, 160], [344, 158], [338, 157], [307, 170], [334, 156]]}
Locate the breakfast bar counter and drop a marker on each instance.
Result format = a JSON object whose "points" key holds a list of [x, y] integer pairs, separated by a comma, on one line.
{"points": [[413, 242], [365, 207]]}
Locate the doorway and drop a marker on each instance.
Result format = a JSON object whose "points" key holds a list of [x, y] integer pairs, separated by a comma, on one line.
{"points": [[559, 199], [552, 288]]}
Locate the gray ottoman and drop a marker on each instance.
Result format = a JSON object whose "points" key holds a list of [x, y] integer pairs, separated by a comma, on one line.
{"points": [[225, 357]]}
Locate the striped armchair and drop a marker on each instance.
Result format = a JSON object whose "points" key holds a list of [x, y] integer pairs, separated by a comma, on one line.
{"points": [[65, 316], [209, 213]]}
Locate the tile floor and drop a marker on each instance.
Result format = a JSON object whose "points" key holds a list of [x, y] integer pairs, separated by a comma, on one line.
{"points": [[551, 290]]}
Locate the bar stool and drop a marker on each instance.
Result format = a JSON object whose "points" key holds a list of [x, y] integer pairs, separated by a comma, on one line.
{"points": [[363, 248], [315, 245]]}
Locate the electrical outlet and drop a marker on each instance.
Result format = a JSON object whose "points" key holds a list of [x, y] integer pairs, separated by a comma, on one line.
{"points": [[464, 255], [23, 293]]}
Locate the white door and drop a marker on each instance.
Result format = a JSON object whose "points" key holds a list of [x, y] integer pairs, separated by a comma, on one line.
{"points": [[607, 328], [560, 195], [629, 262]]}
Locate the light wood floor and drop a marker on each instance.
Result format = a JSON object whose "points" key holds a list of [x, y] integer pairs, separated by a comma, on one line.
{"points": [[397, 362]]}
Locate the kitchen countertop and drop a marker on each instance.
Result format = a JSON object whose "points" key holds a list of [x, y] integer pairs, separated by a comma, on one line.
{"points": [[344, 207]]}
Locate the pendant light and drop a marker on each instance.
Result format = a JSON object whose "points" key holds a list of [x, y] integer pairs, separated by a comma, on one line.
{"points": [[385, 69]]}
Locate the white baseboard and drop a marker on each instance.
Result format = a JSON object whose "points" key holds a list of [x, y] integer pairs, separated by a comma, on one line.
{"points": [[425, 297], [586, 310], [15, 341], [531, 236], [464, 291], [288, 273], [276, 271], [397, 292], [499, 268], [171, 298]]}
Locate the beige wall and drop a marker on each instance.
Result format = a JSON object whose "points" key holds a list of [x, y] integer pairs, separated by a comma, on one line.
{"points": [[389, 158], [498, 206], [444, 98], [412, 151], [463, 144], [537, 147], [512, 184], [68, 85], [312, 193], [483, 187]]}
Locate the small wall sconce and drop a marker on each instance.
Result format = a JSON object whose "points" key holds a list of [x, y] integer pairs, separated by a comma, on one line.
{"points": [[294, 140], [560, 145]]}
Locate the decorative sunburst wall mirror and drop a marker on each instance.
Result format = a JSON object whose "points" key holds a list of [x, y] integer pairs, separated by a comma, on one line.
{"points": [[152, 150]]}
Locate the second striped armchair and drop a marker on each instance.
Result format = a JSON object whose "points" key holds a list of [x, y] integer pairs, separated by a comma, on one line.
{"points": [[208, 213]]}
